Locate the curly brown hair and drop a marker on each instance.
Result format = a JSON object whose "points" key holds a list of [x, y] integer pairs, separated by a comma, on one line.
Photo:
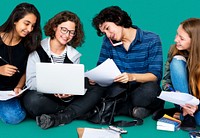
{"points": [[61, 17]]}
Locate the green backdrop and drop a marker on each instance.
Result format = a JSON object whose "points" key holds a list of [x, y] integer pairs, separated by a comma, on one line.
{"points": [[159, 16]]}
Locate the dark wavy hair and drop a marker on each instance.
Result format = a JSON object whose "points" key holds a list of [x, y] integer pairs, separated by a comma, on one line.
{"points": [[33, 39], [61, 17], [111, 14]]}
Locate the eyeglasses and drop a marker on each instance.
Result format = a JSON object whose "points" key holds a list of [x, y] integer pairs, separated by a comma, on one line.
{"points": [[64, 30]]}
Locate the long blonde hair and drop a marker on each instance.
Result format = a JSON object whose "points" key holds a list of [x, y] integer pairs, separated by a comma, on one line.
{"points": [[192, 28]]}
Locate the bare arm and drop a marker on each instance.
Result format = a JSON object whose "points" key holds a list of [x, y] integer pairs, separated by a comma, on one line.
{"points": [[126, 77], [20, 84]]}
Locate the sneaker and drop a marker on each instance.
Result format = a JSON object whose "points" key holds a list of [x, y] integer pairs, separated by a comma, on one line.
{"points": [[140, 112], [45, 121], [52, 120], [160, 113], [188, 123]]}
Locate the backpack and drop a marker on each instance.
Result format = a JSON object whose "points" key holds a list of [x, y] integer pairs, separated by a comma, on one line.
{"points": [[104, 112]]}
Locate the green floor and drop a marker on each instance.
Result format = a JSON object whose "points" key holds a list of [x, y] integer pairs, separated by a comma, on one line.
{"points": [[29, 129]]}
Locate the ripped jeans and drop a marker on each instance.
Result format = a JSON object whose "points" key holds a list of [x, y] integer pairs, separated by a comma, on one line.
{"points": [[179, 74], [179, 78], [11, 111]]}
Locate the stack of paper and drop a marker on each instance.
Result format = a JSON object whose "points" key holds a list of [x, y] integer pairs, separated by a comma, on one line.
{"points": [[100, 133]]}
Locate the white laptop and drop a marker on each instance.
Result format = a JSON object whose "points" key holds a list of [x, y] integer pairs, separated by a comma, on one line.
{"points": [[60, 78]]}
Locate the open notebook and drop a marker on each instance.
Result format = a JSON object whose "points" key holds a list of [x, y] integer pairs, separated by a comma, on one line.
{"points": [[60, 78]]}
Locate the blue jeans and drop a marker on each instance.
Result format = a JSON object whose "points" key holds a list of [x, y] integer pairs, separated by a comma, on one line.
{"points": [[11, 111], [179, 74], [179, 78]]}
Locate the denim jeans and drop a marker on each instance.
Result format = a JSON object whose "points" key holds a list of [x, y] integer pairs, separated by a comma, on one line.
{"points": [[179, 78], [179, 74], [11, 111]]}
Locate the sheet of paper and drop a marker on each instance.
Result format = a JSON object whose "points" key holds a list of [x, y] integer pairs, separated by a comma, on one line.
{"points": [[178, 98], [6, 95], [105, 73], [99, 133]]}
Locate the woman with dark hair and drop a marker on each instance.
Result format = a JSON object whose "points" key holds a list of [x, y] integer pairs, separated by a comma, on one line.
{"points": [[65, 33], [182, 73], [138, 57], [19, 35]]}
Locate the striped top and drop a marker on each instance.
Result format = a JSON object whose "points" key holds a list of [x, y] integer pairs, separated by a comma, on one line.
{"points": [[143, 56], [59, 58]]}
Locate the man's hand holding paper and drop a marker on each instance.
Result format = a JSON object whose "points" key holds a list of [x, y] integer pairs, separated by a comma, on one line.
{"points": [[104, 74]]}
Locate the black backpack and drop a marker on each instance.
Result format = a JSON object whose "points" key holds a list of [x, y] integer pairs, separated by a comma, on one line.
{"points": [[104, 112]]}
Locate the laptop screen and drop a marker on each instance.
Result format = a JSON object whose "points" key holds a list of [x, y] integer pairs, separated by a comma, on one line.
{"points": [[61, 78]]}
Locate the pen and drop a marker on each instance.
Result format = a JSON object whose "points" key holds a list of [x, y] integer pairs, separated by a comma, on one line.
{"points": [[6, 62], [170, 88], [117, 129]]}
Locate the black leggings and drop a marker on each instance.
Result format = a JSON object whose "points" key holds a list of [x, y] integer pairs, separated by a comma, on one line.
{"points": [[37, 103]]}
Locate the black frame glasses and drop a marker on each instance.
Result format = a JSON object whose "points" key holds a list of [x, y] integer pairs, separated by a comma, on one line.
{"points": [[64, 30]]}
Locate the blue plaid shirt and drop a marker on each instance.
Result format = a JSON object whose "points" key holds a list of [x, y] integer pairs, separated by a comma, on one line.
{"points": [[143, 56]]}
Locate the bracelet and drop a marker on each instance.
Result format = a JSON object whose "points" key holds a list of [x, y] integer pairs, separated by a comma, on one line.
{"points": [[66, 100]]}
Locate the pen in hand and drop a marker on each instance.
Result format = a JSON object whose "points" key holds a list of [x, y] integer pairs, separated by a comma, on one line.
{"points": [[4, 60], [170, 88], [7, 62]]}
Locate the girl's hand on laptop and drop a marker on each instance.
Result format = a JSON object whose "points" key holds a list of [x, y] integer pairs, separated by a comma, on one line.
{"points": [[63, 95], [92, 82]]}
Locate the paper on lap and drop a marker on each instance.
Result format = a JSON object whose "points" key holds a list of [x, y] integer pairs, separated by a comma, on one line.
{"points": [[6, 95]]}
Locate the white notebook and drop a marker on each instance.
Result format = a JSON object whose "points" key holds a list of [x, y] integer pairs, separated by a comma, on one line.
{"points": [[60, 78]]}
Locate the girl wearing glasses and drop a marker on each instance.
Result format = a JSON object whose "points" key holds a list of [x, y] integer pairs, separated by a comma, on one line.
{"points": [[65, 34], [19, 35]]}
